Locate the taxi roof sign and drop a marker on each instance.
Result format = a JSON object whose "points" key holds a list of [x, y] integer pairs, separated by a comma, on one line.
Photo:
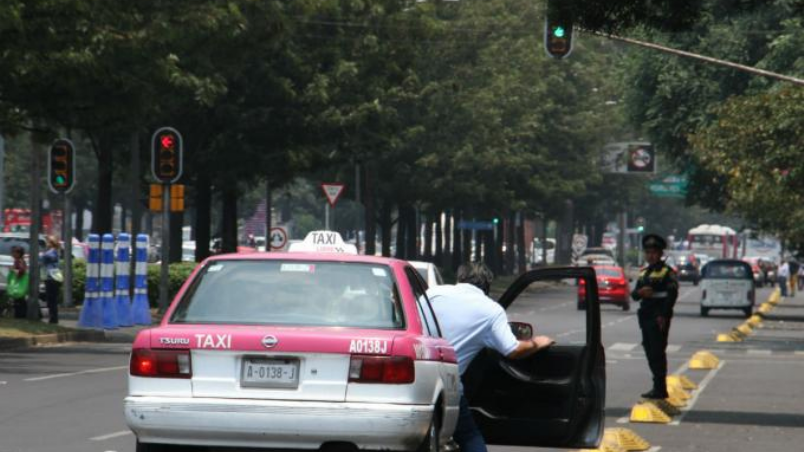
{"points": [[323, 242]]}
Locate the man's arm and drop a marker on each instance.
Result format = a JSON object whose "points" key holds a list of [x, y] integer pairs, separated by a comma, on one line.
{"points": [[530, 347]]}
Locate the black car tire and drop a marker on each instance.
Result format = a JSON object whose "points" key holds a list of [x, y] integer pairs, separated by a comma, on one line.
{"points": [[431, 442], [626, 306], [581, 306], [749, 311], [704, 312], [153, 447]]}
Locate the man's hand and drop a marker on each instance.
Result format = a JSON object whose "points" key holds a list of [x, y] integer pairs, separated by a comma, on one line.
{"points": [[645, 292], [542, 342]]}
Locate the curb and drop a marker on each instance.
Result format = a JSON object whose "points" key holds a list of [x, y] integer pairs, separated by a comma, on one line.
{"points": [[72, 336]]}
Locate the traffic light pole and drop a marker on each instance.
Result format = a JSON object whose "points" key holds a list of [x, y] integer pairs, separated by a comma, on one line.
{"points": [[165, 270], [68, 252]]}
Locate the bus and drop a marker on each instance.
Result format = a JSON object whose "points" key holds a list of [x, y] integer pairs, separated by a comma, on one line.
{"points": [[717, 242]]}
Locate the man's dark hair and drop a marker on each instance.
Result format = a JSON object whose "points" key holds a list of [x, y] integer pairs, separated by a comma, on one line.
{"points": [[476, 274]]}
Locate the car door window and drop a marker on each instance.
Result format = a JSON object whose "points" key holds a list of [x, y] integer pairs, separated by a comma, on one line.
{"points": [[423, 303]]}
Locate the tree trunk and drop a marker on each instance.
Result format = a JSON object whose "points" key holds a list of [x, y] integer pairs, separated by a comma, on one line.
{"points": [[478, 241], [510, 251], [496, 240], [412, 234], [134, 202], [370, 214], [203, 220], [385, 227], [102, 218], [401, 231], [456, 258], [428, 237], [229, 220], [78, 208], [268, 217], [175, 237], [440, 239], [36, 210], [521, 254]]}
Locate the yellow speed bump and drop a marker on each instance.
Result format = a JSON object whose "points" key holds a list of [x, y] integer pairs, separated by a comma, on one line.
{"points": [[745, 329], [755, 321], [775, 296], [729, 337], [627, 439], [669, 406], [703, 360], [677, 392], [681, 380], [647, 412], [765, 308]]}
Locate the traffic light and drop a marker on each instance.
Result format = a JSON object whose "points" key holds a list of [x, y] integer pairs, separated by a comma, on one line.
{"points": [[558, 28], [61, 166], [166, 155], [496, 220]]}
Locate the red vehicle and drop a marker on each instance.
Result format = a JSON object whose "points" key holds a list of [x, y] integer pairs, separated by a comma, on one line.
{"points": [[19, 220], [612, 287]]}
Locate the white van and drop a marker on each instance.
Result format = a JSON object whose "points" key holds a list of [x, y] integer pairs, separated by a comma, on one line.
{"points": [[727, 284]]}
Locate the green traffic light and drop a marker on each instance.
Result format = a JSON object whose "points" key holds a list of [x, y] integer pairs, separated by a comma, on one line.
{"points": [[495, 221], [559, 32], [641, 228], [60, 180]]}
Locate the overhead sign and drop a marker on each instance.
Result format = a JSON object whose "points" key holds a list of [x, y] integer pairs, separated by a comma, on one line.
{"points": [[669, 187], [279, 238], [323, 242], [333, 191], [628, 158], [476, 225]]}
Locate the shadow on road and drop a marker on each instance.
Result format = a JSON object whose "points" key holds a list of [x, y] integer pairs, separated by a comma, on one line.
{"points": [[746, 418]]}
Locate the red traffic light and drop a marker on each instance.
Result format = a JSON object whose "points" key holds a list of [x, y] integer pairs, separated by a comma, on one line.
{"points": [[166, 155]]}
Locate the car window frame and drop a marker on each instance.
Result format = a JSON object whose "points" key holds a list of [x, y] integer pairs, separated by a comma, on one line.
{"points": [[415, 280]]}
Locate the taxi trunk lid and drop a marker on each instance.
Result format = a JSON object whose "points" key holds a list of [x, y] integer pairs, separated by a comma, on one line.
{"points": [[272, 363]]}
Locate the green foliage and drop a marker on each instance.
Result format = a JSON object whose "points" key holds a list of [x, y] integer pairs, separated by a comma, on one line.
{"points": [[177, 276]]}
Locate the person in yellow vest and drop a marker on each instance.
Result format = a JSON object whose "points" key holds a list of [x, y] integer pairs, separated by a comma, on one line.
{"points": [[657, 292]]}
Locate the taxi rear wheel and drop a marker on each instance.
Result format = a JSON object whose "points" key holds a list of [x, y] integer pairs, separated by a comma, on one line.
{"points": [[431, 442], [150, 447]]}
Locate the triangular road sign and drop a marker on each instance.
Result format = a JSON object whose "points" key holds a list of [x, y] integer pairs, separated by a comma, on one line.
{"points": [[333, 191]]}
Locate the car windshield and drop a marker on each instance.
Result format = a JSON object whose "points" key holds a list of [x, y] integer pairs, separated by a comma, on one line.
{"points": [[292, 293], [6, 243], [724, 270], [608, 272]]}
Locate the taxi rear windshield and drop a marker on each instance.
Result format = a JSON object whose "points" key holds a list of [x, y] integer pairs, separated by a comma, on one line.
{"points": [[292, 293], [726, 270]]}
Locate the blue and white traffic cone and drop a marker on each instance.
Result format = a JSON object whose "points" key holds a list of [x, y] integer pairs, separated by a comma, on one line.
{"points": [[107, 282], [92, 310], [140, 309], [122, 280]]}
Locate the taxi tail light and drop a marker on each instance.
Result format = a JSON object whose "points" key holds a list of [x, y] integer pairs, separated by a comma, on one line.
{"points": [[146, 362], [381, 369]]}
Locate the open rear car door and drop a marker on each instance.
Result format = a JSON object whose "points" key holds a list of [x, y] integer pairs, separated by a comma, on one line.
{"points": [[555, 398]]}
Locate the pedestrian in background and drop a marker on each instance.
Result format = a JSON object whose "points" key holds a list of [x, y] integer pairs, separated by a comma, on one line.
{"points": [[17, 286], [794, 269], [657, 292], [783, 277], [50, 260]]}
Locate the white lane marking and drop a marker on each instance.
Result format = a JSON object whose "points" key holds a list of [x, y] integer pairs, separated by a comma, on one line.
{"points": [[655, 449], [111, 435], [701, 386], [754, 351], [3, 382], [611, 361], [622, 347], [799, 353], [673, 348], [555, 306], [72, 374]]}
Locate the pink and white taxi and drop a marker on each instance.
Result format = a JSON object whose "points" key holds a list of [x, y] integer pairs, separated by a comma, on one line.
{"points": [[315, 348]]}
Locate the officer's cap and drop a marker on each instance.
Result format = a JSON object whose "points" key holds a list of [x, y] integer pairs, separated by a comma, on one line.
{"points": [[654, 241]]}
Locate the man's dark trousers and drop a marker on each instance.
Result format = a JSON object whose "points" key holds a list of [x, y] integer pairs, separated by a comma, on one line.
{"points": [[654, 340]]}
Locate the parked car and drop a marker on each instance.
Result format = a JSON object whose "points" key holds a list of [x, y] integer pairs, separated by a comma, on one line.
{"points": [[429, 272], [727, 284], [612, 287], [688, 268]]}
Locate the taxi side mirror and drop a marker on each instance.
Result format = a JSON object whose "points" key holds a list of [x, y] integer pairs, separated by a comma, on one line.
{"points": [[522, 331]]}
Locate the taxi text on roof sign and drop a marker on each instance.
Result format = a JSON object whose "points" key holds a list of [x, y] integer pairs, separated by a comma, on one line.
{"points": [[323, 242]]}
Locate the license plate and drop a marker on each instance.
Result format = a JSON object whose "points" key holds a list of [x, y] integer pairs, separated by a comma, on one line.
{"points": [[270, 373]]}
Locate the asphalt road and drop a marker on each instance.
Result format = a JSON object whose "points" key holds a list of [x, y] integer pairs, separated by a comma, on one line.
{"points": [[69, 398]]}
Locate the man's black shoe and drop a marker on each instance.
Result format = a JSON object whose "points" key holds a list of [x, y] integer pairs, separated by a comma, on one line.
{"points": [[655, 395]]}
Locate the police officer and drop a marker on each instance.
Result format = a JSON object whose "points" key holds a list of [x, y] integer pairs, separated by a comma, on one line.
{"points": [[657, 290]]}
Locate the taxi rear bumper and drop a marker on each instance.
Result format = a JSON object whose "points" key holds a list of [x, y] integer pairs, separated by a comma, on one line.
{"points": [[276, 424]]}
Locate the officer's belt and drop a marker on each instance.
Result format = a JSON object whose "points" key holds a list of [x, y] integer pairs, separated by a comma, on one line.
{"points": [[658, 295]]}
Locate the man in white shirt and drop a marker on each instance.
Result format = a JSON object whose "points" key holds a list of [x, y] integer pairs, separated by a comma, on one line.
{"points": [[784, 277], [471, 321]]}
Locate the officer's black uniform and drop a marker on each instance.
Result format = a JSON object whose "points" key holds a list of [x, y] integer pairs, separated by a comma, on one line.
{"points": [[662, 279]]}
